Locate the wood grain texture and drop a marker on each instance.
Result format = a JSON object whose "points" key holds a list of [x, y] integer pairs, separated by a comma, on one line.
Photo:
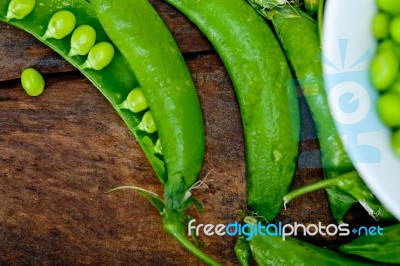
{"points": [[61, 151]]}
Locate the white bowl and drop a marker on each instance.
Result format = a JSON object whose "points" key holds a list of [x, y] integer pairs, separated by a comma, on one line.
{"points": [[348, 47]]}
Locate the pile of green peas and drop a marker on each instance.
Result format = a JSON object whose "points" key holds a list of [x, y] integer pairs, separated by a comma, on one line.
{"points": [[83, 42], [385, 66]]}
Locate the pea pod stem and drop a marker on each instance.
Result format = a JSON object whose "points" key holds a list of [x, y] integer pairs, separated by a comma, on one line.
{"points": [[309, 188], [139, 189], [351, 184], [173, 223]]}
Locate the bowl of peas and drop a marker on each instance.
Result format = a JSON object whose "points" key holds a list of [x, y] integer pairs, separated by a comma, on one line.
{"points": [[361, 62]]}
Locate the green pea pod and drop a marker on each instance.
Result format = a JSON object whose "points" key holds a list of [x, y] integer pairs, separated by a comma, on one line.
{"points": [[381, 248], [172, 99], [166, 83], [164, 79], [242, 251], [272, 250], [114, 81], [265, 92], [298, 34]]}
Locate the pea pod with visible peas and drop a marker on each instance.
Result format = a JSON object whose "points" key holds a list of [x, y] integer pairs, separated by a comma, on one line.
{"points": [[167, 86], [115, 81], [176, 149]]}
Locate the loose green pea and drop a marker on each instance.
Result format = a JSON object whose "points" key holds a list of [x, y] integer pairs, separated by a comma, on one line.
{"points": [[390, 6], [32, 82], [60, 25], [19, 9], [395, 141], [388, 44], [380, 25], [384, 69], [135, 102], [389, 109], [82, 40], [147, 124], [395, 87], [395, 29], [99, 56], [158, 148]]}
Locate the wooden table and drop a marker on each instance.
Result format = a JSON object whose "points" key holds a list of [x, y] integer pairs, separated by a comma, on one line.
{"points": [[61, 151]]}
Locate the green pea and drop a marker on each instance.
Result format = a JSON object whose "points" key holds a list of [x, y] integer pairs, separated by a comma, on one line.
{"points": [[99, 56], [388, 44], [395, 87], [389, 109], [158, 147], [384, 69], [390, 6], [395, 29], [135, 102], [60, 25], [395, 141], [19, 9], [32, 82], [82, 40], [380, 25], [147, 124]]}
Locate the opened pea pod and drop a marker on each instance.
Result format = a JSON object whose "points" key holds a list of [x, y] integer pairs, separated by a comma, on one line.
{"points": [[168, 89], [114, 80], [164, 114]]}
